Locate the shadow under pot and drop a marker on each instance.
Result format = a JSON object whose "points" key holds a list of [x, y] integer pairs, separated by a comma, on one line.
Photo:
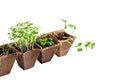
{"points": [[65, 42], [48, 47], [7, 59], [27, 59]]}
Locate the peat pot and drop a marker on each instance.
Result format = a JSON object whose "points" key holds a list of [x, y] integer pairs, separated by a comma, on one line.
{"points": [[7, 60], [65, 41], [46, 53]]}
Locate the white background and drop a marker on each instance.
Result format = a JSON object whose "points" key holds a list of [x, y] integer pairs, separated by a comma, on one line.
{"points": [[96, 20]]}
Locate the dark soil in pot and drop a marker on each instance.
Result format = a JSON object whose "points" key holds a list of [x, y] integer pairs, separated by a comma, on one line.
{"points": [[65, 42], [47, 52], [6, 61], [27, 59]]}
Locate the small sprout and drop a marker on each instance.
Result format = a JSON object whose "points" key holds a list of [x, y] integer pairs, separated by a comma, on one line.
{"points": [[87, 44], [4, 51], [79, 45], [92, 45]]}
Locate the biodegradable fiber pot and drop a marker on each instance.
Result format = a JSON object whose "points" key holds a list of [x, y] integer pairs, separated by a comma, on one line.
{"points": [[27, 60], [6, 62], [65, 41], [47, 53]]}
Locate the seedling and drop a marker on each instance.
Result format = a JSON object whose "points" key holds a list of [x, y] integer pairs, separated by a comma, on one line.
{"points": [[24, 35], [62, 36], [45, 42], [80, 45], [4, 51]]}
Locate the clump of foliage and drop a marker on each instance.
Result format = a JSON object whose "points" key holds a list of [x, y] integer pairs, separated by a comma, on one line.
{"points": [[80, 45], [3, 50], [45, 42], [62, 36], [24, 35]]}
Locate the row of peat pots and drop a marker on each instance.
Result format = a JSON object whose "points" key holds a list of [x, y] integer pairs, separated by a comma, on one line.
{"points": [[44, 52]]}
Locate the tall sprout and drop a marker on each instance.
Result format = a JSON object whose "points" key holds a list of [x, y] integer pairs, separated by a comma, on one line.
{"points": [[24, 35]]}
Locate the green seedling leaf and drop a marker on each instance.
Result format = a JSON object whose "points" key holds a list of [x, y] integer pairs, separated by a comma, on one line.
{"points": [[65, 21], [87, 44], [79, 49], [79, 44], [72, 26]]}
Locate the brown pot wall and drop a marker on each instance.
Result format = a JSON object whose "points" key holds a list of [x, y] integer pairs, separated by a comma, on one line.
{"points": [[27, 60], [47, 53], [6, 63], [64, 45]]}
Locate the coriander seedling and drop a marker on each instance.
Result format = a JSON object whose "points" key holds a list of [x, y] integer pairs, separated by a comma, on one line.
{"points": [[24, 35]]}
